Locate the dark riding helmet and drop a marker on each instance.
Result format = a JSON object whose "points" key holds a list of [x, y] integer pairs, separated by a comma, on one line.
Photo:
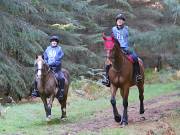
{"points": [[120, 16], [54, 38]]}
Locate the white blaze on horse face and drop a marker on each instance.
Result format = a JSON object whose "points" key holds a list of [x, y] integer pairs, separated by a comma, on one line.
{"points": [[108, 53], [39, 64]]}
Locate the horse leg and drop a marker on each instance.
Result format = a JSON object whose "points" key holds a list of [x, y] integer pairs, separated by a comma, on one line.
{"points": [[47, 110], [125, 105], [63, 108], [117, 116], [141, 98], [122, 93], [50, 105]]}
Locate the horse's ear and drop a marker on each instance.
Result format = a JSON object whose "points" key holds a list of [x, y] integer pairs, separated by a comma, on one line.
{"points": [[42, 56], [36, 56], [104, 36]]}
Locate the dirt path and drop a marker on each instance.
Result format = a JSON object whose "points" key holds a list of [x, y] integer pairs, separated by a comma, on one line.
{"points": [[157, 112]]}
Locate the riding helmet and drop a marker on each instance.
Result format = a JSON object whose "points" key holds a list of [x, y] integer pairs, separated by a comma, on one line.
{"points": [[120, 16], [54, 38]]}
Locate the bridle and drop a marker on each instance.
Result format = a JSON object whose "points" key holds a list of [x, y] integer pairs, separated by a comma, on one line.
{"points": [[108, 45], [40, 68]]}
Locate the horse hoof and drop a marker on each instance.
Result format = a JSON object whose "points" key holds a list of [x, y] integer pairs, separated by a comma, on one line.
{"points": [[117, 118], [48, 118], [64, 118], [142, 118], [124, 123], [141, 111], [122, 126]]}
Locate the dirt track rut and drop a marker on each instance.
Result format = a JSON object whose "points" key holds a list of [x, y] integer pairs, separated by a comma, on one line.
{"points": [[154, 110]]}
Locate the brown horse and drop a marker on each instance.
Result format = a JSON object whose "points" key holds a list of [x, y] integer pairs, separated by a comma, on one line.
{"points": [[121, 76], [48, 86]]}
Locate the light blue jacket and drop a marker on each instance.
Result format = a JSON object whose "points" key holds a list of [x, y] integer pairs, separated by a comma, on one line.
{"points": [[121, 34], [53, 56]]}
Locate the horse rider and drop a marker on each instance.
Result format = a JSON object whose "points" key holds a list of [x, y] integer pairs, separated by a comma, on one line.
{"points": [[52, 56], [121, 34]]}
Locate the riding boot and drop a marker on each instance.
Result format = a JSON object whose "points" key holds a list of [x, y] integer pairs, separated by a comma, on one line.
{"points": [[60, 93], [35, 92], [106, 81], [137, 70]]}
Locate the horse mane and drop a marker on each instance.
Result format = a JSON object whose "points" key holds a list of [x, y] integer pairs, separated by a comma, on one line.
{"points": [[117, 48], [117, 45], [118, 55]]}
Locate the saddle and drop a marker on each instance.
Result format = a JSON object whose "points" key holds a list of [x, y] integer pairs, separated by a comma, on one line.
{"points": [[59, 84], [130, 57]]}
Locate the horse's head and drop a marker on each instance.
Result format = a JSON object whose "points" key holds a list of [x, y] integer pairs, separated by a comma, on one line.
{"points": [[40, 66], [113, 50], [108, 44]]}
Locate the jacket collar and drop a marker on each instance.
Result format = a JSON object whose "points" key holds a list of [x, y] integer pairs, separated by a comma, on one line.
{"points": [[53, 46], [120, 27]]}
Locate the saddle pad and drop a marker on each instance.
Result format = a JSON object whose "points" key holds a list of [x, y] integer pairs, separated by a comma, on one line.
{"points": [[130, 58]]}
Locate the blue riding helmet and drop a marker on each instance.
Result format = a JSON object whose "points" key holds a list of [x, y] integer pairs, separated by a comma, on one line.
{"points": [[54, 38], [120, 16]]}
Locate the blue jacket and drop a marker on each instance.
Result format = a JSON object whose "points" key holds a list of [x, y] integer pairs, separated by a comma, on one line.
{"points": [[53, 56], [121, 34]]}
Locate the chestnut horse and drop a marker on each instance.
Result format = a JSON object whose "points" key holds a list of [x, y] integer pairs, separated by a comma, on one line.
{"points": [[48, 86], [121, 76]]}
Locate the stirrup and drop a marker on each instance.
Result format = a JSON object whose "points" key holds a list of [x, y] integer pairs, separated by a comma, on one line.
{"points": [[35, 93], [138, 78], [60, 94], [106, 82]]}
